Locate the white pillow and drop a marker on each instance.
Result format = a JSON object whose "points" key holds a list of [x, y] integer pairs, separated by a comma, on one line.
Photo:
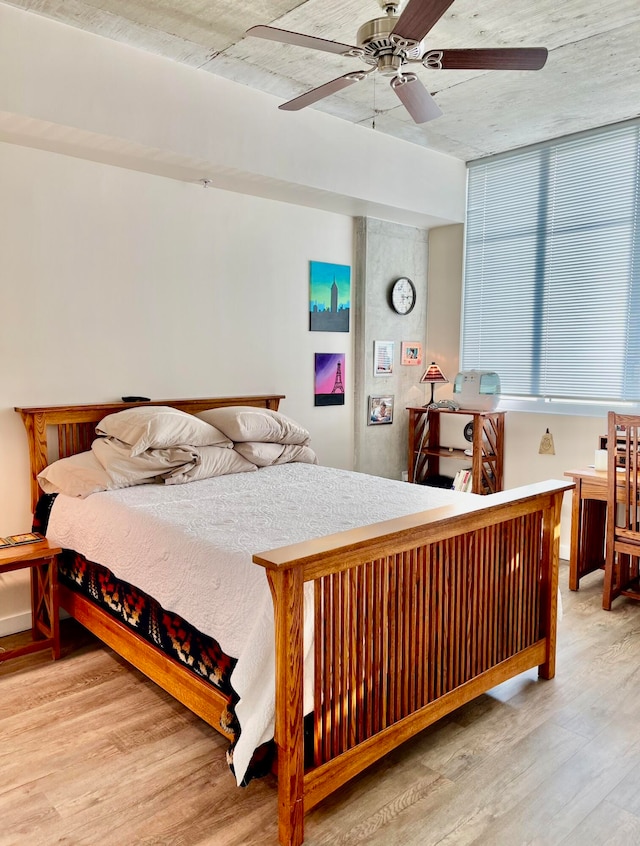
{"points": [[126, 469], [159, 427], [79, 475], [214, 461], [264, 454], [242, 423]]}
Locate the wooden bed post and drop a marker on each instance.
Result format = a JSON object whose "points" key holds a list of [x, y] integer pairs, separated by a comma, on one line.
{"points": [[38, 455], [549, 582], [287, 588]]}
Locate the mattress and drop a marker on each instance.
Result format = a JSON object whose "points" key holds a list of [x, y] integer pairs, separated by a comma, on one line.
{"points": [[190, 547]]}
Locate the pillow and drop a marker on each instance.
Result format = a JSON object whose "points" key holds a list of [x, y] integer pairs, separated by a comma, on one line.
{"points": [[265, 455], [214, 461], [158, 427], [243, 423], [78, 475], [126, 469]]}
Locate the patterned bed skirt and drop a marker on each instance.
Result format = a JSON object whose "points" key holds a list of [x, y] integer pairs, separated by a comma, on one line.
{"points": [[197, 652], [141, 613]]}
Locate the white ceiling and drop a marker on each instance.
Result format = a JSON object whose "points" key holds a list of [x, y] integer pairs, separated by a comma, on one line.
{"points": [[592, 76]]}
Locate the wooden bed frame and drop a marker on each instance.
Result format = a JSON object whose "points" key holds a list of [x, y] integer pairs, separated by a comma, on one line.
{"points": [[413, 617]]}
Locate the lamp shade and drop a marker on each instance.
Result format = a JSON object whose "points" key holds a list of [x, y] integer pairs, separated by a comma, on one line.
{"points": [[433, 375]]}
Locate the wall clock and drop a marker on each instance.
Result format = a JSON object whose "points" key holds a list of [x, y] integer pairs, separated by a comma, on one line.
{"points": [[403, 295]]}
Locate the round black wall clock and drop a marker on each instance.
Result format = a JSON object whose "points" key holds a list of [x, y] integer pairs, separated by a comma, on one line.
{"points": [[403, 295]]}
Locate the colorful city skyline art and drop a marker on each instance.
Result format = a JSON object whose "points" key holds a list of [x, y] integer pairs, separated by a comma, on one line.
{"points": [[329, 297]]}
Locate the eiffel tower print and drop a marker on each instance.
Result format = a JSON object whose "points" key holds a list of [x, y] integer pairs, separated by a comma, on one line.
{"points": [[338, 387], [329, 376]]}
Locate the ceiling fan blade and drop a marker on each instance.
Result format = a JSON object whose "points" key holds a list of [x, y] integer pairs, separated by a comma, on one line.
{"points": [[322, 91], [415, 98], [418, 17], [516, 58], [272, 33]]}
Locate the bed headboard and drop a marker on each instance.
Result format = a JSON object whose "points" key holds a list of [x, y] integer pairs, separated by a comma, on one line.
{"points": [[72, 428]]}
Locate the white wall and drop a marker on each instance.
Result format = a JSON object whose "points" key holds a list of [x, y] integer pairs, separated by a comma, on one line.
{"points": [[72, 91], [116, 282], [122, 275]]}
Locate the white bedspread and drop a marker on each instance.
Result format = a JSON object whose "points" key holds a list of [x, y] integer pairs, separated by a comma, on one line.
{"points": [[190, 547]]}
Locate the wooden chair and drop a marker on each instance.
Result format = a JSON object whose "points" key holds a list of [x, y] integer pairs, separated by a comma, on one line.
{"points": [[621, 572]]}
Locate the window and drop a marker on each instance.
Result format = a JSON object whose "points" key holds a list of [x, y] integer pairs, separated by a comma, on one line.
{"points": [[552, 268]]}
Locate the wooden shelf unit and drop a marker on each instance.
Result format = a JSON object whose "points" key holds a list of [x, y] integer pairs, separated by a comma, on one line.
{"points": [[426, 450], [40, 559]]}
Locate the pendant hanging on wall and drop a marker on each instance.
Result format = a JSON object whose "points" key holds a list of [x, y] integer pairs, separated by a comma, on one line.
{"points": [[546, 444]]}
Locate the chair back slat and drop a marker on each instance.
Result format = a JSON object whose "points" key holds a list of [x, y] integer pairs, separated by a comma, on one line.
{"points": [[622, 558]]}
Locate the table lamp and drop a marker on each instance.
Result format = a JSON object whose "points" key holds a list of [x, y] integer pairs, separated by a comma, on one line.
{"points": [[433, 376]]}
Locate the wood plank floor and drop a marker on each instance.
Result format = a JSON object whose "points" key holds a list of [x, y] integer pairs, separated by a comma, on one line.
{"points": [[93, 754]]}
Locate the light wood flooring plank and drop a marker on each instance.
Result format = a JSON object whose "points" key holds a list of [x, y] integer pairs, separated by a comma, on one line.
{"points": [[93, 754]]}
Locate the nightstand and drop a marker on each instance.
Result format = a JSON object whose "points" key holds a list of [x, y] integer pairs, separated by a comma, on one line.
{"points": [[45, 629]]}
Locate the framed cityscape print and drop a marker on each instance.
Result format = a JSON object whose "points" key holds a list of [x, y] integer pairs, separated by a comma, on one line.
{"points": [[329, 297]]}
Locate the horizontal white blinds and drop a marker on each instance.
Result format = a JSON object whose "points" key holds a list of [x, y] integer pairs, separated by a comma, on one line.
{"points": [[552, 267]]}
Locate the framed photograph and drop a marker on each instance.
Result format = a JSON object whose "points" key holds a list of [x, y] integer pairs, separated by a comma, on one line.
{"points": [[329, 379], [383, 358], [411, 352], [380, 410], [329, 297]]}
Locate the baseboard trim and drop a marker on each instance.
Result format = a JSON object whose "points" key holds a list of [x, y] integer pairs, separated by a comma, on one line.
{"points": [[14, 624]]}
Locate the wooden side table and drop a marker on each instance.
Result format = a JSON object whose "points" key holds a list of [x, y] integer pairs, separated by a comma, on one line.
{"points": [[45, 628], [425, 449]]}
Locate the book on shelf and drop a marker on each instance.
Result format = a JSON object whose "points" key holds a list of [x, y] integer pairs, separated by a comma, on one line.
{"points": [[18, 540], [463, 481]]}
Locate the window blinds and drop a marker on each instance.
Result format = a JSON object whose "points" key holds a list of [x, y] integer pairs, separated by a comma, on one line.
{"points": [[552, 267]]}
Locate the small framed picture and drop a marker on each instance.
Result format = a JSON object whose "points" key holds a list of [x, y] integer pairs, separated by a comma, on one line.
{"points": [[380, 410], [411, 353], [383, 358]]}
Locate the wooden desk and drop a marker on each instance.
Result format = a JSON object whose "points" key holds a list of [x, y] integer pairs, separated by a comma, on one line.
{"points": [[588, 523]]}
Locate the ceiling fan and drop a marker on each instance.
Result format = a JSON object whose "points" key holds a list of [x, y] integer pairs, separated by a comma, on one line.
{"points": [[391, 43]]}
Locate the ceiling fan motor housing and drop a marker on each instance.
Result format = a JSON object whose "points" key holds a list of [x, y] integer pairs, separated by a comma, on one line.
{"points": [[374, 37]]}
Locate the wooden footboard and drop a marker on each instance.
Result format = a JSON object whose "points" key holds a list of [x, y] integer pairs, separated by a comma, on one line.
{"points": [[413, 618]]}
